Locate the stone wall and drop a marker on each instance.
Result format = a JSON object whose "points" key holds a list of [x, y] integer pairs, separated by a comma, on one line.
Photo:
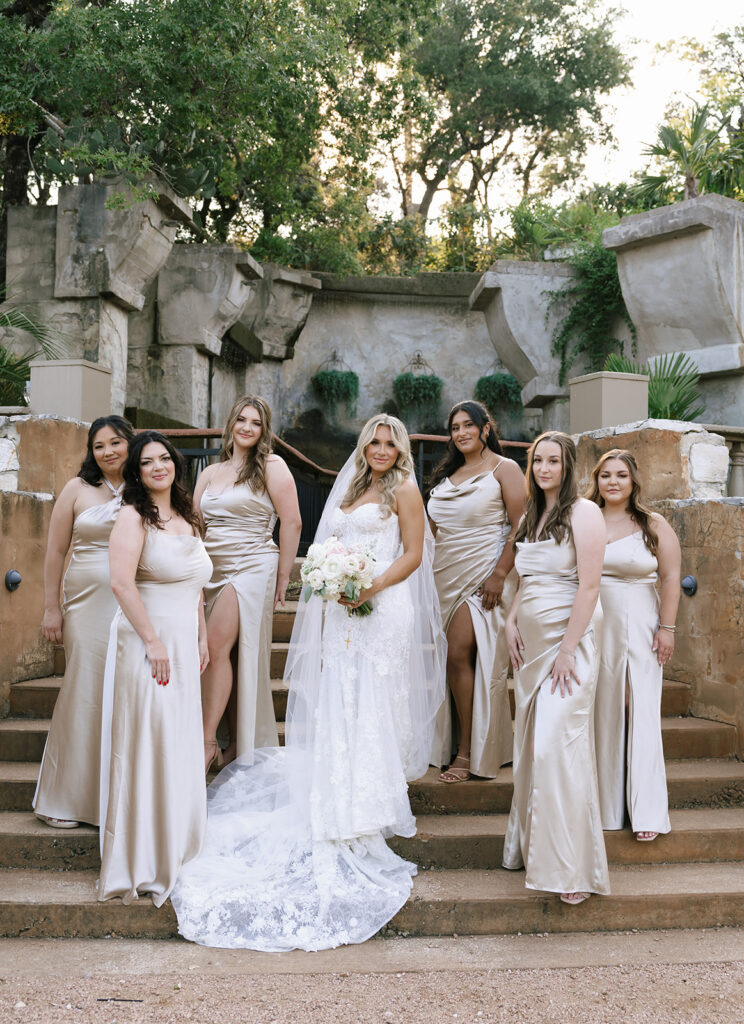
{"points": [[375, 325], [24, 653], [680, 269], [675, 459], [709, 648], [38, 455]]}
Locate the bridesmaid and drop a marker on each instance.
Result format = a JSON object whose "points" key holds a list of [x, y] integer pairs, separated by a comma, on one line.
{"points": [[475, 503], [638, 642], [555, 827], [240, 498], [84, 513], [153, 797]]}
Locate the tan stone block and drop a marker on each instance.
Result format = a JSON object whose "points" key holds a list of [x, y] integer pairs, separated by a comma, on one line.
{"points": [[24, 654], [50, 452]]}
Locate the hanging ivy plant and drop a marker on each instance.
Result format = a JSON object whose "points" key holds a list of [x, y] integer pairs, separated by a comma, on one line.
{"points": [[499, 391], [336, 386], [418, 393]]}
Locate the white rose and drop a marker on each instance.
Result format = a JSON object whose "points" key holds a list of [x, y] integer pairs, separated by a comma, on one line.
{"points": [[315, 579], [352, 564], [333, 569], [315, 553]]}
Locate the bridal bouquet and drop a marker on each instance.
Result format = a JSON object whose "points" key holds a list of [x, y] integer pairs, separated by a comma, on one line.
{"points": [[331, 570]]}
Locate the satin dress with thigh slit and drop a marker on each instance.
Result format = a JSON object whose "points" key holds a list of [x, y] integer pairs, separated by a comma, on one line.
{"points": [[472, 527], [239, 523], [69, 781], [153, 799], [555, 827], [630, 760]]}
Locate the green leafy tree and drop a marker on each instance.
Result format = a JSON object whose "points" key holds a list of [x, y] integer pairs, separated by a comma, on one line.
{"points": [[489, 87]]}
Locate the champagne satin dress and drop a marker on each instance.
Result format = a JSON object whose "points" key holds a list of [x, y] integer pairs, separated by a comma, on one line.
{"points": [[69, 781], [631, 617], [240, 523], [472, 527], [153, 797], [555, 828]]}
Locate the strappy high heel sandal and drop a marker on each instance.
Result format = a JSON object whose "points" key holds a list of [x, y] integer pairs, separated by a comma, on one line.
{"points": [[212, 755], [456, 772]]}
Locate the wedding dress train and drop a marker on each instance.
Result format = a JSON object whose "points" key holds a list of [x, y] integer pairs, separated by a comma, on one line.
{"points": [[295, 853]]}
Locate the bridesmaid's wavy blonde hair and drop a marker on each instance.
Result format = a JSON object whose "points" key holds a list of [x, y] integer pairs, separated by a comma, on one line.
{"points": [[395, 476], [253, 470]]}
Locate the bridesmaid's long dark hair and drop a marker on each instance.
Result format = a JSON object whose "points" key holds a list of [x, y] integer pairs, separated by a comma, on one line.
{"points": [[90, 471], [135, 493], [453, 457], [637, 508], [558, 523]]}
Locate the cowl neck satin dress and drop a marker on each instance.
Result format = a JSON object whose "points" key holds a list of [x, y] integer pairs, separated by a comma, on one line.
{"points": [[153, 798], [630, 764], [69, 780], [239, 527], [472, 527], [555, 827]]}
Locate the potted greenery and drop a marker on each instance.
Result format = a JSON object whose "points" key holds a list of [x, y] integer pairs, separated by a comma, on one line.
{"points": [[418, 392], [500, 393], [334, 383]]}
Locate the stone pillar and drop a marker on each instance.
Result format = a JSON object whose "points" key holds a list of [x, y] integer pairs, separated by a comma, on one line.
{"points": [[682, 276], [202, 291], [513, 297], [606, 399], [83, 265]]}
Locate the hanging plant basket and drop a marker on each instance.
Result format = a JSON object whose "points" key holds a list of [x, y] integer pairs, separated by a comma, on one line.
{"points": [[418, 394], [499, 392], [334, 386]]}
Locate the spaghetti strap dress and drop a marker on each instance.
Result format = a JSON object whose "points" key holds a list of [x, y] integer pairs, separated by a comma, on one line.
{"points": [[630, 760], [153, 796], [555, 826], [69, 782], [472, 527], [239, 526]]}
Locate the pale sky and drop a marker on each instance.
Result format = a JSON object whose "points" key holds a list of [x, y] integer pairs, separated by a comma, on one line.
{"points": [[640, 108]]}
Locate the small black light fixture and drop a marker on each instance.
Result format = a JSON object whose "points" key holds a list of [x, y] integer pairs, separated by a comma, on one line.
{"points": [[689, 585], [12, 580]]}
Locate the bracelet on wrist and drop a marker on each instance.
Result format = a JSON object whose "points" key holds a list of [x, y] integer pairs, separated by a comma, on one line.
{"points": [[566, 651], [670, 629]]}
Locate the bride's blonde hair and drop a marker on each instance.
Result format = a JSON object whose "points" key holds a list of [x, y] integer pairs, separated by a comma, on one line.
{"points": [[395, 476]]}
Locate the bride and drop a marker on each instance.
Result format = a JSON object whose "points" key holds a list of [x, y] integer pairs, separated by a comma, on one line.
{"points": [[295, 854]]}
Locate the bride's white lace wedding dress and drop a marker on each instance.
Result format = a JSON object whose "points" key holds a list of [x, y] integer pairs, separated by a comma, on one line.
{"points": [[295, 853]]}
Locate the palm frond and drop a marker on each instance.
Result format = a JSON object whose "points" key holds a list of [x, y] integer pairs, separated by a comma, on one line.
{"points": [[673, 382]]}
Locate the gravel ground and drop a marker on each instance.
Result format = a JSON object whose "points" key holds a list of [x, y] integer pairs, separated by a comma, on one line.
{"points": [[710, 993]]}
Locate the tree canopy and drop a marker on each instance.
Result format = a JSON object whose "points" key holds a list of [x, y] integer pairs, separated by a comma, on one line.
{"points": [[278, 119]]}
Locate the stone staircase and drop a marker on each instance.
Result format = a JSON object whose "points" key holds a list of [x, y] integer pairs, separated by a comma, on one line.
{"points": [[693, 877]]}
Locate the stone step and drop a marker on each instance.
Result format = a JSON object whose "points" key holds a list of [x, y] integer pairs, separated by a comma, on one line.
{"points": [[477, 840], [643, 897], [712, 782], [442, 842], [23, 739], [35, 698], [48, 904], [707, 782]]}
